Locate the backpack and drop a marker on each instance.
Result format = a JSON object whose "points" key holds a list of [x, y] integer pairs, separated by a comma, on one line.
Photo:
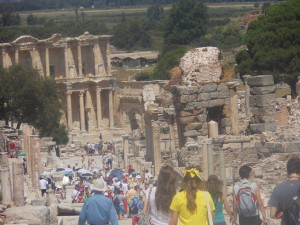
{"points": [[133, 210], [246, 200], [292, 210]]}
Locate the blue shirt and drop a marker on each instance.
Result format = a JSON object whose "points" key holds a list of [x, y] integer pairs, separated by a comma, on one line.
{"points": [[98, 210]]}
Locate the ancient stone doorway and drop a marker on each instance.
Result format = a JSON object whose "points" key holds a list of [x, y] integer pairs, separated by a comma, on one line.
{"points": [[215, 114]]}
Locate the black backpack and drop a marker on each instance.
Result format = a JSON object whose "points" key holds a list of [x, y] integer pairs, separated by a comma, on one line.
{"points": [[292, 211]]}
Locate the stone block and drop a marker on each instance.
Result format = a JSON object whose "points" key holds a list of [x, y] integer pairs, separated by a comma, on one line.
{"points": [[262, 90], [262, 127], [265, 111], [274, 147], [188, 98], [193, 126], [191, 133], [38, 202], [261, 80], [187, 119], [262, 119], [226, 122], [215, 103], [261, 100], [204, 97], [202, 118], [184, 90], [214, 95], [222, 87], [293, 146], [210, 87], [223, 94]]}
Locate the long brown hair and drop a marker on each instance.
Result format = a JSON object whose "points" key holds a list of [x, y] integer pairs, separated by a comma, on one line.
{"points": [[166, 188], [214, 186], [191, 184]]}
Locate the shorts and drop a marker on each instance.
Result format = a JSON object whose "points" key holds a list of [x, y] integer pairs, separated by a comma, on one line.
{"points": [[122, 210], [249, 220]]}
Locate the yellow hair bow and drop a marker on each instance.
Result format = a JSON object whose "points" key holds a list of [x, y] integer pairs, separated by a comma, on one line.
{"points": [[193, 172]]}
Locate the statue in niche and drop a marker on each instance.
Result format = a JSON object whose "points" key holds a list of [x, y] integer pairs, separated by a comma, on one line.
{"points": [[148, 96]]}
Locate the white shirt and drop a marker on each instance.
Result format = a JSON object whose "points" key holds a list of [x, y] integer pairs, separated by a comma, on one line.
{"points": [[43, 184], [157, 217]]}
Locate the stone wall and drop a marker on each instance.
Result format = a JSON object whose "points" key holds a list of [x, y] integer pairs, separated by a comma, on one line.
{"points": [[261, 102], [196, 106]]}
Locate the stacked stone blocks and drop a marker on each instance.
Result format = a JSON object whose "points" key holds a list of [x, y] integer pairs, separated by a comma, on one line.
{"points": [[192, 104], [261, 103]]}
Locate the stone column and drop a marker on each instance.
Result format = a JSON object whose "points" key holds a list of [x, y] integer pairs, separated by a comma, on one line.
{"points": [[156, 146], [36, 146], [69, 110], [233, 99], [210, 156], [213, 130], [111, 109], [82, 116], [5, 179], [247, 95], [79, 60], [218, 146], [204, 158], [18, 184], [17, 56], [172, 138], [125, 150], [66, 62], [99, 109], [47, 62], [96, 58], [108, 60]]}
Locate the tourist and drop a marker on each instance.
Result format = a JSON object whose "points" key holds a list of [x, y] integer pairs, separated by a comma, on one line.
{"points": [[285, 191], [214, 186], [75, 193], [251, 217], [43, 185], [119, 204], [109, 159], [190, 205], [60, 191], [161, 196], [83, 161], [130, 170], [98, 209], [24, 166], [57, 151], [136, 207]]}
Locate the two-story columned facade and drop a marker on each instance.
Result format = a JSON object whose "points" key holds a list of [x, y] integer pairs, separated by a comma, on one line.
{"points": [[81, 64]]}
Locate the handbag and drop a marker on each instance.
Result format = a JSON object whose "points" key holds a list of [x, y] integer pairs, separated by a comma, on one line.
{"points": [[210, 220], [145, 218]]}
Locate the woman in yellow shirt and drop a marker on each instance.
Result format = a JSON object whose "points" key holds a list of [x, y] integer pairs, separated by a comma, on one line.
{"points": [[189, 205]]}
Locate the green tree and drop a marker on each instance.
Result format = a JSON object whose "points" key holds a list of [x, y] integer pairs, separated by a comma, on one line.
{"points": [[26, 97], [273, 44], [155, 12], [186, 23]]}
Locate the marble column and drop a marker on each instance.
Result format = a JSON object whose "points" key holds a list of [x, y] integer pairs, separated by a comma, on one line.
{"points": [[111, 109], [82, 116], [17, 56], [108, 60], [156, 146], [36, 144], [233, 99], [204, 159], [213, 129], [47, 62], [69, 110], [247, 95], [125, 150], [172, 139], [218, 146], [66, 62], [79, 60], [99, 108], [5, 179], [210, 156], [18, 184]]}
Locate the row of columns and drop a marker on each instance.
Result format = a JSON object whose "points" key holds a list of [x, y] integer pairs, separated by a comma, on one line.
{"points": [[81, 104], [6, 62]]}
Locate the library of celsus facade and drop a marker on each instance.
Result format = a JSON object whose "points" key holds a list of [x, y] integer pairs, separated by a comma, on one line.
{"points": [[81, 65]]}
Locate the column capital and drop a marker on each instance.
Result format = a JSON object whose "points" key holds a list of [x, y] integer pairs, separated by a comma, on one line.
{"points": [[98, 89], [81, 93], [155, 126], [69, 92]]}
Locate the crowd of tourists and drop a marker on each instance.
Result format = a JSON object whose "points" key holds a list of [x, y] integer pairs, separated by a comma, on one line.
{"points": [[196, 202]]}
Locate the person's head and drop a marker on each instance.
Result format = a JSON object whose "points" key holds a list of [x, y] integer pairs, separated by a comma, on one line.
{"points": [[245, 171], [214, 186], [191, 183], [293, 165], [136, 187], [166, 188], [98, 187]]}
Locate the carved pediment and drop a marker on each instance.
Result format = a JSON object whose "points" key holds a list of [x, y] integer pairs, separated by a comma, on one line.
{"points": [[25, 39]]}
